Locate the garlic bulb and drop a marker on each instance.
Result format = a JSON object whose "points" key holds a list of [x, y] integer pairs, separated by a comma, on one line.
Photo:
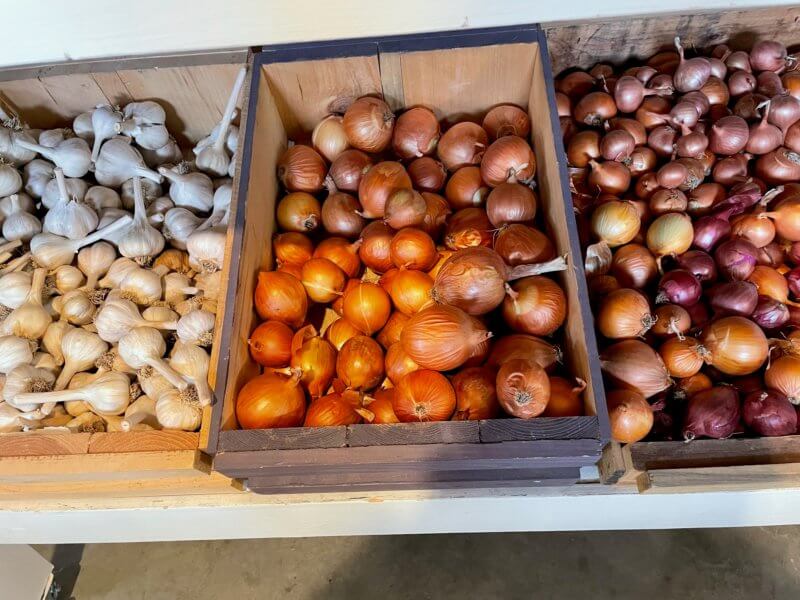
{"points": [[190, 190], [52, 137], [168, 153], [104, 124], [214, 159], [10, 180], [193, 362], [196, 327], [99, 197], [232, 166], [119, 161], [14, 351], [82, 126], [222, 206], [69, 218], [118, 316], [30, 320], [144, 347], [112, 361], [14, 288], [21, 226], [160, 313], [38, 173], [72, 155], [140, 411], [51, 341], [150, 189], [11, 419], [108, 394], [24, 379], [76, 188], [179, 224], [209, 283], [67, 278], [179, 410], [80, 349], [177, 287], [231, 143], [108, 216], [11, 149], [148, 136], [77, 308], [117, 272], [52, 251], [207, 249], [174, 260], [147, 112], [87, 422], [152, 383], [160, 205], [58, 418], [16, 203], [141, 240], [141, 286], [45, 360]]}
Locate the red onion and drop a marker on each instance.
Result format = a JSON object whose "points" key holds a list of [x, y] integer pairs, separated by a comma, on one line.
{"points": [[700, 264], [768, 55], [617, 145], [784, 111], [769, 84], [734, 298], [770, 255], [741, 83], [728, 135], [684, 115], [769, 413], [712, 413], [793, 279], [730, 170], [736, 258], [769, 313], [699, 314], [691, 73], [679, 287], [708, 231], [739, 60]]}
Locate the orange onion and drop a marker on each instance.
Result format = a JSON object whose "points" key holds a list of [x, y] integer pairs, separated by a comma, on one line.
{"points": [[624, 313], [476, 397], [630, 415], [519, 345], [271, 400], [442, 337], [683, 356], [424, 396], [404, 208], [511, 203], [468, 227], [367, 307], [341, 215], [507, 119], [390, 334], [444, 254], [270, 344], [523, 388], [412, 248], [770, 282], [427, 174], [381, 406], [411, 291], [519, 244], [583, 147], [315, 358], [323, 280], [595, 108], [281, 297], [566, 398], [329, 137], [295, 271], [737, 346], [378, 184], [301, 169], [436, 212], [783, 375], [635, 365], [338, 304], [463, 144], [387, 279], [671, 319], [398, 363], [686, 387], [786, 216], [535, 305], [779, 166], [334, 410], [509, 159], [299, 211], [339, 332], [368, 123], [360, 363], [756, 229], [634, 266], [348, 169], [466, 188], [342, 253], [292, 248], [375, 249], [609, 177], [416, 133]]}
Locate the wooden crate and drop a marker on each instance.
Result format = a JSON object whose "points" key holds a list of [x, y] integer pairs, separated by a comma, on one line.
{"points": [[702, 465], [459, 75], [193, 90]]}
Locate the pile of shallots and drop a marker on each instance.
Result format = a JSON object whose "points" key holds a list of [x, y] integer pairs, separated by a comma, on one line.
{"points": [[111, 258], [685, 177]]}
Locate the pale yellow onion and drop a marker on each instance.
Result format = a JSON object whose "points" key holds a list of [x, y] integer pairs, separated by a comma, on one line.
{"points": [[616, 222], [670, 234]]}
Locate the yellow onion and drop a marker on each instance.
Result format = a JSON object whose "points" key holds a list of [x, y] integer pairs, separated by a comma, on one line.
{"points": [[359, 364], [398, 363], [466, 188], [634, 266], [523, 388], [535, 305], [783, 375], [507, 119], [416, 133], [519, 345], [736, 345], [368, 123], [683, 356], [635, 365], [380, 182], [302, 169], [476, 397], [329, 137], [616, 222], [670, 234], [315, 358], [339, 332], [411, 291], [509, 159], [566, 398], [463, 144], [630, 415], [624, 313], [424, 395]]}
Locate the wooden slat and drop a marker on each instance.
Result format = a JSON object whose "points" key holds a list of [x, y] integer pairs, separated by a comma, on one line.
{"points": [[448, 432], [294, 438], [43, 444], [567, 428], [721, 479], [142, 441], [113, 88]]}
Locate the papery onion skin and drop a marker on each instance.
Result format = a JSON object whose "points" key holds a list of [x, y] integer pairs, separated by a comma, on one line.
{"points": [[511, 203], [670, 234], [437, 210], [769, 413], [270, 400], [404, 208], [315, 359], [566, 398], [671, 319], [270, 344], [536, 305], [339, 332], [378, 184], [390, 333], [368, 123], [293, 248], [682, 357], [783, 375], [770, 314], [302, 169], [519, 244], [424, 395], [734, 298], [623, 314], [523, 388], [630, 415], [584, 147], [736, 258], [340, 252], [329, 137], [468, 227], [322, 279], [298, 212], [416, 133], [519, 345], [616, 223], [786, 216], [466, 189], [737, 345], [635, 365], [728, 135], [595, 108], [413, 249], [398, 363], [375, 249], [340, 215], [348, 169], [367, 307], [712, 413], [331, 411], [476, 397], [609, 177], [509, 159], [281, 297], [427, 174], [411, 291], [461, 145], [507, 119], [473, 279], [381, 407], [634, 266], [359, 363]]}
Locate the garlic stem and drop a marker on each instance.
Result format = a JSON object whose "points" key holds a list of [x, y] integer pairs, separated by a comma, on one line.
{"points": [[8, 246], [17, 264], [227, 116], [167, 372]]}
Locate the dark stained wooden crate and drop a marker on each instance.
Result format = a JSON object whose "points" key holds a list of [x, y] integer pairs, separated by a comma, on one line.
{"points": [[458, 74]]}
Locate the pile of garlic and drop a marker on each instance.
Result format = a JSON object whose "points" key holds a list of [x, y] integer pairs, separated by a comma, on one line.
{"points": [[110, 265]]}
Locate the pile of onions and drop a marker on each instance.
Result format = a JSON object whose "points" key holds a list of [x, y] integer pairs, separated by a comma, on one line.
{"points": [[414, 280], [692, 255]]}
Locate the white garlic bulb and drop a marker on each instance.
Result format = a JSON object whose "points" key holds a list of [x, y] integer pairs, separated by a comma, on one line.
{"points": [[168, 153], [51, 341], [147, 136], [179, 224], [160, 313], [109, 394], [145, 347], [77, 308], [152, 383], [190, 190], [52, 137], [193, 363], [14, 351], [69, 218], [24, 379], [100, 197], [30, 320], [177, 287], [141, 241], [118, 161], [80, 349], [179, 410], [12, 419], [146, 112], [10, 180], [197, 327], [140, 411], [207, 249], [117, 272], [38, 173], [118, 316], [141, 286], [67, 278], [14, 288], [214, 159], [104, 125], [72, 155], [16, 203], [52, 251], [150, 189], [82, 126]]}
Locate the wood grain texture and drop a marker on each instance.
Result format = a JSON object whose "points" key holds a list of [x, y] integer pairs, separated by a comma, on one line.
{"points": [[142, 441], [721, 479], [585, 44], [567, 428], [293, 438], [447, 432], [43, 444]]}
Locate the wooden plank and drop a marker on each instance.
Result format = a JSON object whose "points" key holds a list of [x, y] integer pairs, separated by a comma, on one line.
{"points": [[721, 479], [142, 441], [391, 67], [611, 465], [293, 438], [616, 40], [565, 428], [447, 432], [113, 88], [43, 444]]}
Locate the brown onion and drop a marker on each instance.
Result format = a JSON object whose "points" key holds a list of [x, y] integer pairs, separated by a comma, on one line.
{"points": [[436, 212], [338, 304], [511, 203], [411, 291], [783, 375], [299, 212], [741, 83], [466, 188], [670, 234], [367, 307], [476, 398], [404, 208], [671, 319], [769, 84], [360, 363], [413, 249], [715, 88], [335, 410], [792, 138], [691, 145], [463, 144], [398, 363], [329, 137], [520, 345], [768, 55], [730, 170], [381, 407], [728, 135], [756, 229], [468, 227], [523, 388], [739, 60], [315, 358], [634, 266], [764, 137], [390, 334], [683, 356], [348, 169], [691, 73], [427, 174], [779, 166], [662, 140], [416, 133], [616, 223], [281, 297], [292, 248], [786, 216], [737, 346], [617, 145], [668, 200], [519, 244], [576, 84], [508, 159], [629, 93], [636, 366], [784, 111], [563, 105], [301, 169], [565, 398], [535, 305], [584, 147], [594, 108], [624, 313], [672, 175], [270, 344], [630, 415], [632, 126], [747, 106], [375, 249], [642, 160], [378, 184], [368, 123], [507, 119], [609, 177], [322, 279], [341, 215], [271, 400], [704, 196], [294, 270], [424, 395], [339, 332], [791, 83], [342, 253]]}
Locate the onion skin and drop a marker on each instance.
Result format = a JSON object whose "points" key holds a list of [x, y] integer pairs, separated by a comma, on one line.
{"points": [[520, 345], [616, 223], [623, 314], [566, 398], [783, 375], [390, 334], [670, 234], [468, 227], [523, 388], [584, 147], [339, 332], [348, 169], [472, 279], [712, 413], [299, 212], [700, 264], [427, 174], [322, 279], [381, 407], [332, 410], [375, 248], [329, 137], [770, 314], [679, 287], [466, 189], [271, 400], [535, 305], [507, 119], [635, 365], [595, 108], [424, 395], [359, 364], [508, 160], [737, 345], [436, 213], [270, 344], [476, 397], [682, 357], [404, 208], [378, 184], [416, 133], [411, 291], [281, 297], [292, 248], [634, 266], [461, 145], [315, 359], [734, 298], [340, 252], [671, 319], [367, 307], [413, 249], [368, 123], [340, 215], [398, 363], [736, 259], [769, 413], [519, 244], [302, 169], [630, 415]]}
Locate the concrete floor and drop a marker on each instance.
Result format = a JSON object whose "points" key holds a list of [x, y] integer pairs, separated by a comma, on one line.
{"points": [[724, 564]]}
